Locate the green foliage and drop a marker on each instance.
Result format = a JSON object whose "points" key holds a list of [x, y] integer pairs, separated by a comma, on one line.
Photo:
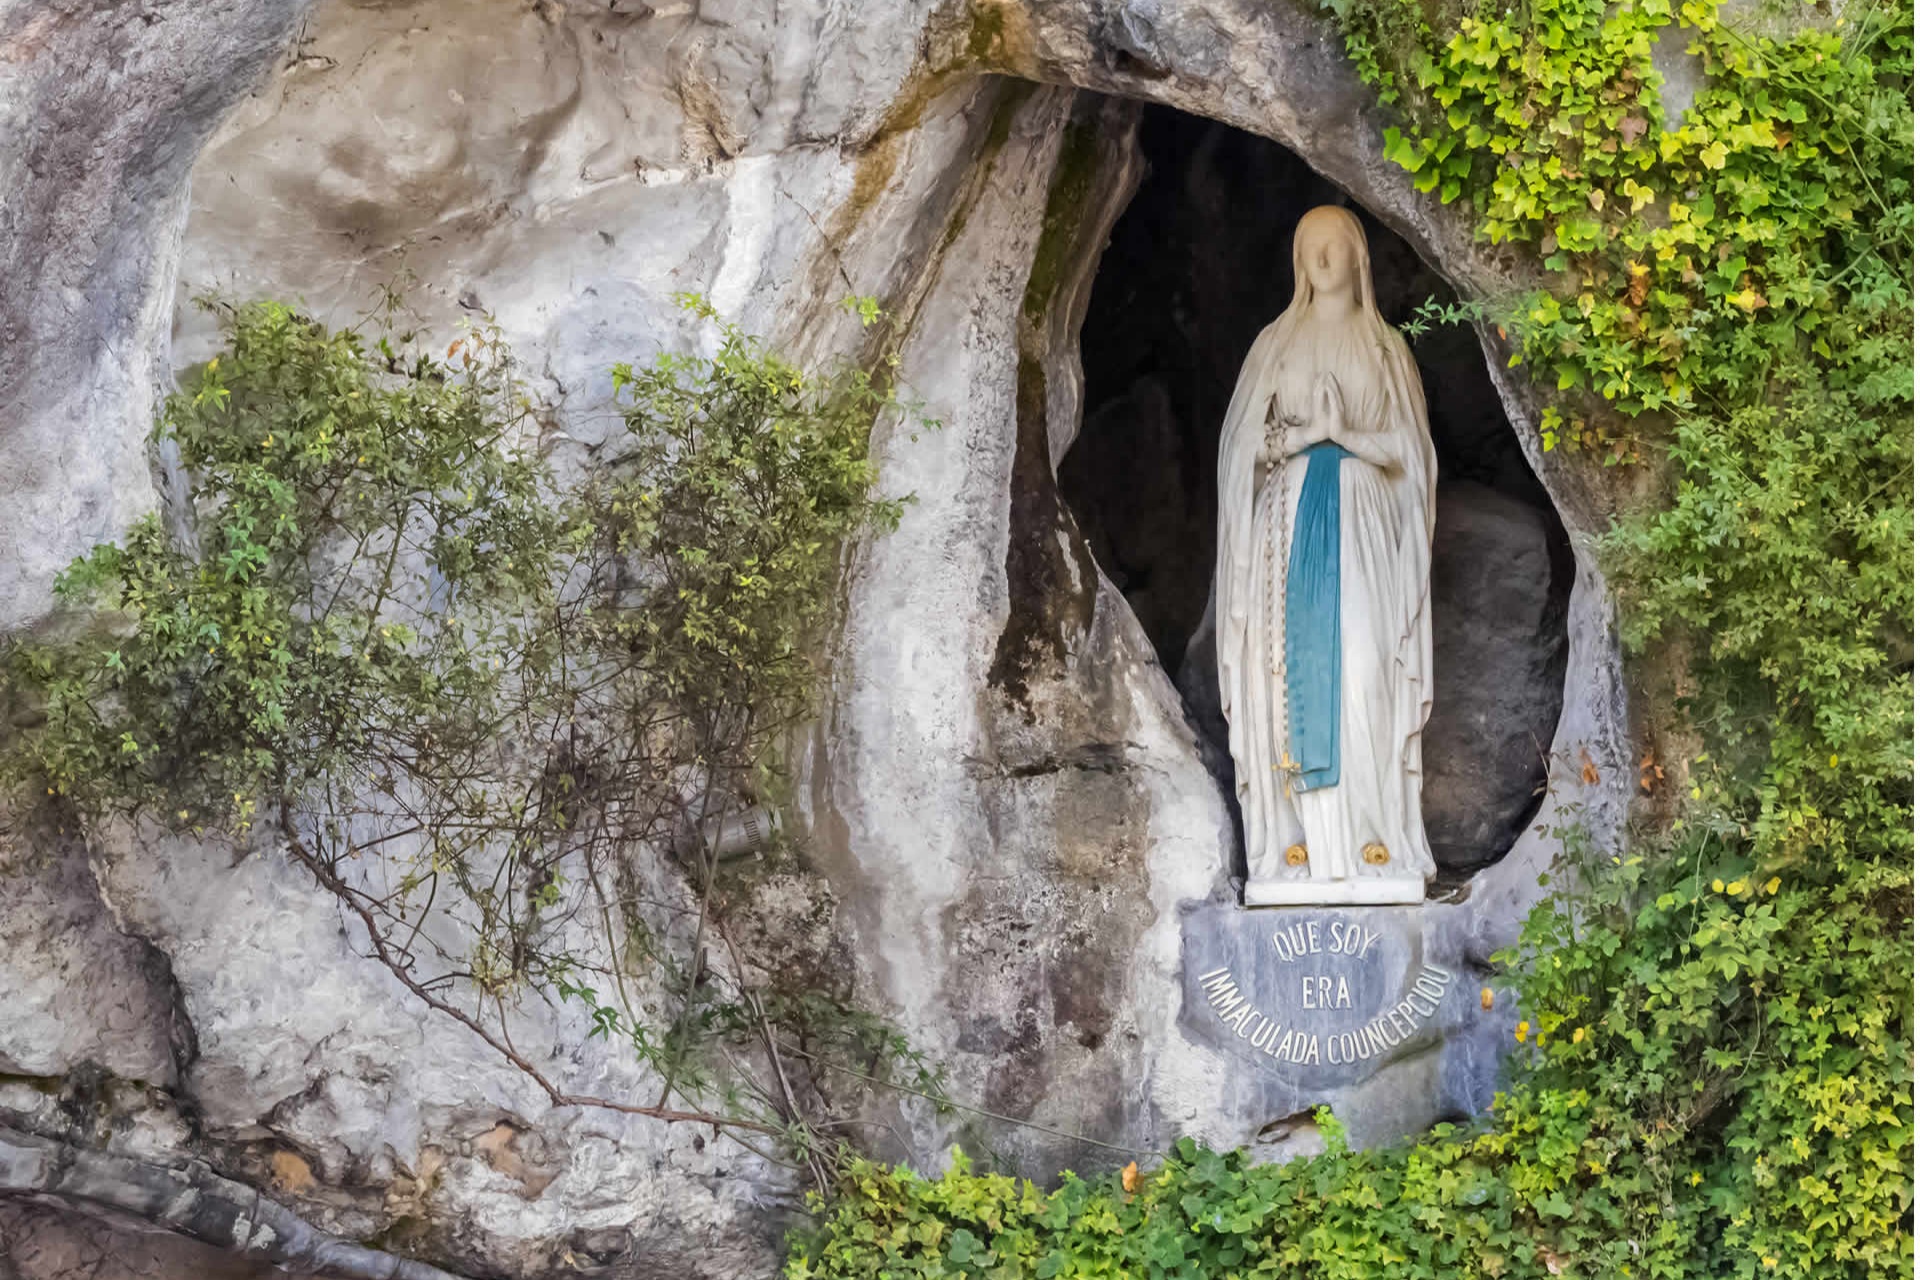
{"points": [[738, 479], [1774, 217], [1788, 550], [1747, 270], [1720, 1080], [448, 684], [1714, 1074], [1345, 1215], [1435, 314], [339, 495]]}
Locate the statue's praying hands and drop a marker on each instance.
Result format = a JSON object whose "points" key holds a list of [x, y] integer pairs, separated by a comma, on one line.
{"points": [[1327, 416], [1289, 430]]}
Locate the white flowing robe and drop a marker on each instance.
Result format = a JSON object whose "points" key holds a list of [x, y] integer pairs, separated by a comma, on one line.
{"points": [[1386, 631]]}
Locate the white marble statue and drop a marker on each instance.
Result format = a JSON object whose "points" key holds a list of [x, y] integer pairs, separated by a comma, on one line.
{"points": [[1324, 628]]}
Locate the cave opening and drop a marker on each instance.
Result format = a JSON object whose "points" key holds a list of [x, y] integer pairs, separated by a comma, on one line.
{"points": [[1197, 264]]}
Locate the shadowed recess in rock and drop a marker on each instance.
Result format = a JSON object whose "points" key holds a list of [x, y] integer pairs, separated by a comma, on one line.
{"points": [[1196, 267]]}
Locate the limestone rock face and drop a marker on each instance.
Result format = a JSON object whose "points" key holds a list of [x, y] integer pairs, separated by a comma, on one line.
{"points": [[42, 1243], [80, 986], [1004, 789], [102, 123]]}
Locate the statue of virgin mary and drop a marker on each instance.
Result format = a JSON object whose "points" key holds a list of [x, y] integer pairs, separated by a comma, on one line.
{"points": [[1325, 635]]}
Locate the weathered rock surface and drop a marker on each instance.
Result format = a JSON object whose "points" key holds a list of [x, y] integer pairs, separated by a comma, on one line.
{"points": [[43, 1242], [78, 987], [1499, 661], [123, 1193], [1004, 789], [104, 115]]}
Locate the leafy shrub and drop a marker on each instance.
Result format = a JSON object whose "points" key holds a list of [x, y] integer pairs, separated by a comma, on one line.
{"points": [[447, 685], [338, 497]]}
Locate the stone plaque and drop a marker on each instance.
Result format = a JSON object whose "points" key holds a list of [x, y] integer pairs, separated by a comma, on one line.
{"points": [[1320, 995]]}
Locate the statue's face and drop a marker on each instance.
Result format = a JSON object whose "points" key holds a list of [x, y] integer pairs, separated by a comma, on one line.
{"points": [[1330, 264]]}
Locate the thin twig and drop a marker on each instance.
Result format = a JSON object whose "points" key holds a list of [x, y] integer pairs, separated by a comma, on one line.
{"points": [[384, 953], [711, 855]]}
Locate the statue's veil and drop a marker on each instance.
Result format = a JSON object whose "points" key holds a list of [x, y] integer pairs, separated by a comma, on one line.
{"points": [[1403, 427], [1344, 224]]}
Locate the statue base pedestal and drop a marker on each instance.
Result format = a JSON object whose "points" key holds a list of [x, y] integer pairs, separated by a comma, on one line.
{"points": [[1372, 891]]}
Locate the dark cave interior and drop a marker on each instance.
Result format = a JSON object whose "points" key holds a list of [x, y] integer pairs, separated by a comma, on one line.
{"points": [[1198, 264]]}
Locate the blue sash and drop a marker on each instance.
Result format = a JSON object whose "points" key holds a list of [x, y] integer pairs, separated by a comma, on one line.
{"points": [[1313, 623]]}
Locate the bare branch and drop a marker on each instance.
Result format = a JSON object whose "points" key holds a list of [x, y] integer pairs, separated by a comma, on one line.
{"points": [[383, 951]]}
